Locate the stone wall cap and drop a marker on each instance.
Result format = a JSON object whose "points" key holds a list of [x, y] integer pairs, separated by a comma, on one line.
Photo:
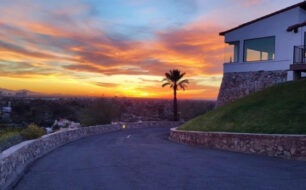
{"points": [[14, 148], [234, 133], [22, 144]]}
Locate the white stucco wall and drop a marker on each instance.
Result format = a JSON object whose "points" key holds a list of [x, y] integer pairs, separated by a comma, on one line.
{"points": [[284, 41]]}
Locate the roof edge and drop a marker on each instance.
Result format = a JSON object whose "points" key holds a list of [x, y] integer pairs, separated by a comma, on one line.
{"points": [[296, 26], [301, 4]]}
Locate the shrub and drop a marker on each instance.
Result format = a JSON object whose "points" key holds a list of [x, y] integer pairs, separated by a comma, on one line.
{"points": [[66, 125], [32, 132], [4, 126], [9, 140], [9, 137], [56, 127]]}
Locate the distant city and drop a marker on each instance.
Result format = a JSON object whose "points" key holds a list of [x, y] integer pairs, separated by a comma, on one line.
{"points": [[21, 107]]}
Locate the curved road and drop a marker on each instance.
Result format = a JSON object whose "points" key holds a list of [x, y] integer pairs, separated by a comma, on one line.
{"points": [[145, 159]]}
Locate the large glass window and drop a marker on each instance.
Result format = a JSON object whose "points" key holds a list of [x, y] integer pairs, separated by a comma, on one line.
{"points": [[261, 49], [231, 53]]}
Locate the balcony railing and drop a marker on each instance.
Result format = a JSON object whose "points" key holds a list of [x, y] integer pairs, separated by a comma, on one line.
{"points": [[299, 55]]}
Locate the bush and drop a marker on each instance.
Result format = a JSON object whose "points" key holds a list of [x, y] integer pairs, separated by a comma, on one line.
{"points": [[56, 127], [66, 125], [9, 137], [32, 132], [9, 140]]}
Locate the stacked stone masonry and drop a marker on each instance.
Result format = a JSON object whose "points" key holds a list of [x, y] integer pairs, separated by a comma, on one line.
{"points": [[239, 84], [284, 146], [16, 159]]}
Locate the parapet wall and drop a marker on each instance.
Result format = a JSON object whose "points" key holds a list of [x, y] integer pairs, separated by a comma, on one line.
{"points": [[16, 159], [284, 146], [239, 84]]}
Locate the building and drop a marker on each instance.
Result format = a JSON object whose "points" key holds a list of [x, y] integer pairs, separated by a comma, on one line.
{"points": [[264, 52], [21, 93], [7, 109], [5, 112]]}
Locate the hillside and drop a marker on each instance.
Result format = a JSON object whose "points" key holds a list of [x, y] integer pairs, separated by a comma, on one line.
{"points": [[279, 109], [7, 92]]}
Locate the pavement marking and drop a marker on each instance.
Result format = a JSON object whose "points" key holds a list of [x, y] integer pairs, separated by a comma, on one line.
{"points": [[128, 136]]}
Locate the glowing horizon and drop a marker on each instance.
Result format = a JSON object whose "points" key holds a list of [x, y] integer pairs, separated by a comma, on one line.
{"points": [[119, 48]]}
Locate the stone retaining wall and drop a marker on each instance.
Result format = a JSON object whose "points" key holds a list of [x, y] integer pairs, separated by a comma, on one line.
{"points": [[239, 84], [16, 159], [284, 146]]}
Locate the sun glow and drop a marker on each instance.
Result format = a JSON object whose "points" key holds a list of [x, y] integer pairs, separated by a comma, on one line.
{"points": [[66, 49]]}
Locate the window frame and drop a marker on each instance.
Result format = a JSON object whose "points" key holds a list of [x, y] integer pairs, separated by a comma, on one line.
{"points": [[238, 51], [304, 38], [244, 52]]}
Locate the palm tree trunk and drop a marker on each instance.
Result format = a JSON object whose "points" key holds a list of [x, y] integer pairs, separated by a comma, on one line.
{"points": [[175, 118]]}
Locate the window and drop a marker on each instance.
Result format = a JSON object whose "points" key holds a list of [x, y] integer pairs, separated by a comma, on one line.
{"points": [[261, 49], [231, 53]]}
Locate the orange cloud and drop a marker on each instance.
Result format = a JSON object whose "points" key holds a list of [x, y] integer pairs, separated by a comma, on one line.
{"points": [[34, 49]]}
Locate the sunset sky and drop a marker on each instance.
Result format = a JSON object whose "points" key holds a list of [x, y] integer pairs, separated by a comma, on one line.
{"points": [[119, 47]]}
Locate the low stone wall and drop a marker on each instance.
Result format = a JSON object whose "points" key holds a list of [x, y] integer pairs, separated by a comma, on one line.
{"points": [[16, 159], [284, 146], [239, 84]]}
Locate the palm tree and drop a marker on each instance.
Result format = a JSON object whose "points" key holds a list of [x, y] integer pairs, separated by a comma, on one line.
{"points": [[174, 80]]}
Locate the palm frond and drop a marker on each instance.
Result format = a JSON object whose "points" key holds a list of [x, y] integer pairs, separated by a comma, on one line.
{"points": [[165, 79], [173, 79], [168, 76], [166, 84], [181, 76], [182, 86], [185, 81]]}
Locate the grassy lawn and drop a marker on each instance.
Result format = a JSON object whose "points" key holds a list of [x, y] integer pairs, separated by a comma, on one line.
{"points": [[280, 109]]}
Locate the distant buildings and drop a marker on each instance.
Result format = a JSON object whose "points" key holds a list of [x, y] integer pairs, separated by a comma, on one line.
{"points": [[6, 111], [22, 93], [65, 123]]}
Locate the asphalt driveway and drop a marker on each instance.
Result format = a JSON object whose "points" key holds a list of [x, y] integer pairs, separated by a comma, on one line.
{"points": [[146, 159]]}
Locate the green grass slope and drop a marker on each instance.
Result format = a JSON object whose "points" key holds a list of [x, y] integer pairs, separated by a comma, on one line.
{"points": [[280, 109]]}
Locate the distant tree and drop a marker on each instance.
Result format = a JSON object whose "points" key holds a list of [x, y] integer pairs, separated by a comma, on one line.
{"points": [[101, 111], [174, 79]]}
